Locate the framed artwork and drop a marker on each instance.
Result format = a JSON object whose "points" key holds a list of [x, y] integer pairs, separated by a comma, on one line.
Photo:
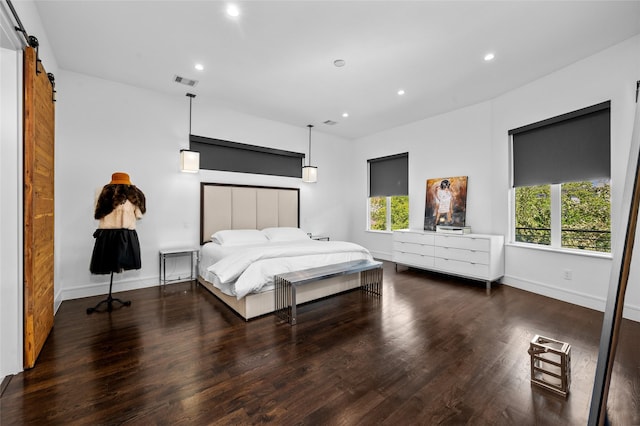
{"points": [[446, 202]]}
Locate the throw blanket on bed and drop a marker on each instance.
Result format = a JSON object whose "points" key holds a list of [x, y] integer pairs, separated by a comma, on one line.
{"points": [[254, 267]]}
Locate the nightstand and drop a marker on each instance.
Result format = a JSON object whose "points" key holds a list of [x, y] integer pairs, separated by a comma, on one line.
{"points": [[194, 255]]}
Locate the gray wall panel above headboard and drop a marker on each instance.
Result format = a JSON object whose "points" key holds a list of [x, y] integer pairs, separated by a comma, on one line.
{"points": [[227, 206]]}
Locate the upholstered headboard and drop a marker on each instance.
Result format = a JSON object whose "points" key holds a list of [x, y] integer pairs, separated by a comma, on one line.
{"points": [[226, 206]]}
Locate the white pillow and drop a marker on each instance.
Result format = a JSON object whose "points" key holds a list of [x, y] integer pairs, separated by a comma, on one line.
{"points": [[285, 234], [237, 237]]}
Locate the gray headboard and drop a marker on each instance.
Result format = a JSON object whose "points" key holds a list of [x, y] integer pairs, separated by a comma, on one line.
{"points": [[228, 206]]}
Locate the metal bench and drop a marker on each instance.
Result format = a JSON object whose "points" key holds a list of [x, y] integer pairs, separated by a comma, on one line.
{"points": [[286, 284]]}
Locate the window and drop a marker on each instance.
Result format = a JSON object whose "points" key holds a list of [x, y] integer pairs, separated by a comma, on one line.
{"points": [[583, 213], [533, 214], [388, 202], [217, 154], [561, 172], [388, 213], [586, 215]]}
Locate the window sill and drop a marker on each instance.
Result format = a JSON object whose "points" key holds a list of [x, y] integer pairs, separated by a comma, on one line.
{"points": [[586, 253], [379, 232]]}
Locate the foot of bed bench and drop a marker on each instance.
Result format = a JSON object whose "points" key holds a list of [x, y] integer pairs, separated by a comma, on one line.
{"points": [[287, 284]]}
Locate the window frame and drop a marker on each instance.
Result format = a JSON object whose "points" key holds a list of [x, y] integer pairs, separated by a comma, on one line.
{"points": [[555, 208], [388, 211]]}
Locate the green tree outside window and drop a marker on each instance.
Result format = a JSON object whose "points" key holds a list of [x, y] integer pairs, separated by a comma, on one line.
{"points": [[388, 213]]}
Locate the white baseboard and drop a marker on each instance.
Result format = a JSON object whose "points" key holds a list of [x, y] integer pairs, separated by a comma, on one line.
{"points": [[631, 312], [382, 255], [97, 289], [577, 298], [119, 284], [57, 301]]}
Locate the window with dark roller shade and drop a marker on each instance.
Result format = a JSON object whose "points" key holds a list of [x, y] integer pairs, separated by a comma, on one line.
{"points": [[217, 154], [389, 175], [561, 180], [388, 201], [568, 148]]}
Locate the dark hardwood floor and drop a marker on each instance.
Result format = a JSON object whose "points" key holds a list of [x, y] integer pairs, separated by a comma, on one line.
{"points": [[432, 350]]}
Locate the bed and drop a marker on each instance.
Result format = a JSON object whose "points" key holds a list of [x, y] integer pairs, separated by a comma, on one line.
{"points": [[248, 234]]}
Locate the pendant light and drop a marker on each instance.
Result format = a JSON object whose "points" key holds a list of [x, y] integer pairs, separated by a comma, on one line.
{"points": [[189, 160], [309, 172]]}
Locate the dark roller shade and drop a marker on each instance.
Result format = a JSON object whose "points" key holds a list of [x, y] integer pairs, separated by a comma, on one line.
{"points": [[217, 154], [389, 175], [569, 148]]}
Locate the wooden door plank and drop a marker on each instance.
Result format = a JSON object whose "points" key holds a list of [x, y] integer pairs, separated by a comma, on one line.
{"points": [[38, 195]]}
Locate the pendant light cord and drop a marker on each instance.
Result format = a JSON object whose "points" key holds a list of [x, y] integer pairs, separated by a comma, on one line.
{"points": [[191, 96], [309, 126]]}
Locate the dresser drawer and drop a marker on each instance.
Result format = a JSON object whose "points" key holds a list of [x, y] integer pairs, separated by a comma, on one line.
{"points": [[470, 243], [413, 237], [471, 256], [413, 259], [474, 270], [422, 249]]}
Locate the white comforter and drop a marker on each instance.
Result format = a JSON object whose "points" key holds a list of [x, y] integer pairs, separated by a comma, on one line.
{"points": [[254, 267]]}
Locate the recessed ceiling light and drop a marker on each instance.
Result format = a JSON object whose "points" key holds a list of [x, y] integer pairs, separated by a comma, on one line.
{"points": [[233, 10], [401, 92], [345, 114], [199, 67], [339, 63], [489, 57]]}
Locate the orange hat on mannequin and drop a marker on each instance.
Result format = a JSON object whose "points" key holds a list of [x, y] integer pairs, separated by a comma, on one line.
{"points": [[119, 178]]}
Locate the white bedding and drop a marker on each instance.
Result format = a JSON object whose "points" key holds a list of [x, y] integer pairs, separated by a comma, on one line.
{"points": [[240, 270]]}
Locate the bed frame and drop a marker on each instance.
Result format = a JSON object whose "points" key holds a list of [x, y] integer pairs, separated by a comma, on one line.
{"points": [[228, 206]]}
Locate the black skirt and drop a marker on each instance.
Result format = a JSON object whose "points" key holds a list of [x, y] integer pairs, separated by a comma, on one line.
{"points": [[115, 250]]}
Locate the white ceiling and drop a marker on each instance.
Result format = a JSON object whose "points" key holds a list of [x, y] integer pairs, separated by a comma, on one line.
{"points": [[276, 59]]}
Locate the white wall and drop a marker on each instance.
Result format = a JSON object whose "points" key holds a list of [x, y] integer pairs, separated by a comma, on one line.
{"points": [[453, 144], [10, 215], [609, 75], [474, 142], [105, 127]]}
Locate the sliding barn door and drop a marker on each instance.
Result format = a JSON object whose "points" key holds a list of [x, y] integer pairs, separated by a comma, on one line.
{"points": [[38, 206]]}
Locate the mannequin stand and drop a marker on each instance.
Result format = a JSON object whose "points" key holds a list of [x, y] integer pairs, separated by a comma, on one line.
{"points": [[109, 301]]}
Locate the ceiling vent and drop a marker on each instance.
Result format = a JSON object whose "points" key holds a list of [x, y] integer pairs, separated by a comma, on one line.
{"points": [[186, 81], [330, 123]]}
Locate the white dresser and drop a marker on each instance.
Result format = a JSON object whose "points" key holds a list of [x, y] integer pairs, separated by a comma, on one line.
{"points": [[476, 256]]}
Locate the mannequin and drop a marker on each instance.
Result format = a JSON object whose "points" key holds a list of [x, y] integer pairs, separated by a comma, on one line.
{"points": [[117, 248]]}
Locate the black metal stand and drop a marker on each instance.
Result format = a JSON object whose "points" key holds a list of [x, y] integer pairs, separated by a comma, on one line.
{"points": [[108, 301]]}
